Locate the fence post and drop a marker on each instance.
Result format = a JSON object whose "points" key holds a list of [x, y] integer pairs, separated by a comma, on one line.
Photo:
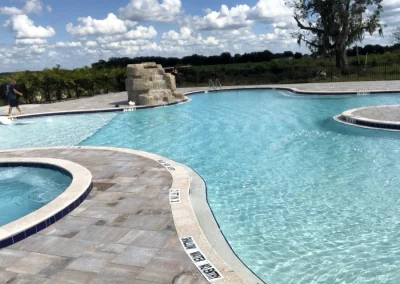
{"points": [[358, 72], [306, 74], [331, 74], [385, 70]]}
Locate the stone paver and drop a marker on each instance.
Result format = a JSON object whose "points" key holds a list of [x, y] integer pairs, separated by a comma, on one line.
{"points": [[379, 113], [352, 87], [122, 233], [33, 263], [110, 100], [96, 102]]}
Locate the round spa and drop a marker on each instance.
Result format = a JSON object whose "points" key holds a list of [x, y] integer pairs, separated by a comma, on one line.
{"points": [[25, 189], [36, 192]]}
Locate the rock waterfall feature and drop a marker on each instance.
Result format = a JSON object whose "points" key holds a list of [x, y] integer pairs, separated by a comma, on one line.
{"points": [[148, 84]]}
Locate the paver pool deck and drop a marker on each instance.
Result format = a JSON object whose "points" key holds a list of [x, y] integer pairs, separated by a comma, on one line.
{"points": [[122, 233], [379, 113], [110, 100]]}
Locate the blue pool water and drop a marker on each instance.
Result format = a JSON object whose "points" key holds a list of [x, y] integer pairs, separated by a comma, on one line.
{"points": [[52, 131], [24, 190], [300, 197]]}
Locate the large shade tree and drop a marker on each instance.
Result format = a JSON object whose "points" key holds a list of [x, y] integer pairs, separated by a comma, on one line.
{"points": [[328, 26]]}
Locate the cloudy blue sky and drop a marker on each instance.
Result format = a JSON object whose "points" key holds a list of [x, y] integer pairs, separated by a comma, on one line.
{"points": [[35, 34]]}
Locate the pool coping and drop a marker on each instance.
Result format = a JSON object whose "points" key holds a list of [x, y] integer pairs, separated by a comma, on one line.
{"points": [[202, 91], [349, 118], [295, 91], [212, 229], [185, 220], [47, 215], [99, 110]]}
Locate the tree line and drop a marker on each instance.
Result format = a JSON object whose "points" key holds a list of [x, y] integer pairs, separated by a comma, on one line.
{"points": [[56, 84], [227, 58]]}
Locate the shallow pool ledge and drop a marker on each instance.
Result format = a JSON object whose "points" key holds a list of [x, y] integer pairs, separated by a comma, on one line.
{"points": [[385, 117], [47, 215]]}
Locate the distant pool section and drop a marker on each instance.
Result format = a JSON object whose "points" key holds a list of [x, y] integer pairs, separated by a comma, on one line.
{"points": [[37, 192], [24, 189]]}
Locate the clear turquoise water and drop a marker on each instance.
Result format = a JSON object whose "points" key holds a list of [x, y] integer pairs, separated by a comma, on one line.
{"points": [[300, 197], [52, 131], [24, 190]]}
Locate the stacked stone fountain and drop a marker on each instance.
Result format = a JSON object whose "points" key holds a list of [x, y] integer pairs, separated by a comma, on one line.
{"points": [[148, 84]]}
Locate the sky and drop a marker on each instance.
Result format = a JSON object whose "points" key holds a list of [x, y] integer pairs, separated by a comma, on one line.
{"points": [[37, 34]]}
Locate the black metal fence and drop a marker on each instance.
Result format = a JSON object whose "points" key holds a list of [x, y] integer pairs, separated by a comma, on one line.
{"points": [[290, 75]]}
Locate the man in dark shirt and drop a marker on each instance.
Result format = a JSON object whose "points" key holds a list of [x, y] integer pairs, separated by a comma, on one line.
{"points": [[177, 77], [12, 97]]}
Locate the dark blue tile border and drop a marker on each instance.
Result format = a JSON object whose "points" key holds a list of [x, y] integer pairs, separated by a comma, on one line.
{"points": [[46, 223], [372, 124]]}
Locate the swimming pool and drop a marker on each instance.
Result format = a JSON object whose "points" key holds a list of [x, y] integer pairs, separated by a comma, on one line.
{"points": [[23, 190], [300, 197]]}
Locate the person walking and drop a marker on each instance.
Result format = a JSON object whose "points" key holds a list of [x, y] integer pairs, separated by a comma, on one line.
{"points": [[175, 72], [12, 97]]}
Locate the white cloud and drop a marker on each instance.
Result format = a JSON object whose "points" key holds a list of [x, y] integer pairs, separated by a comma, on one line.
{"points": [[390, 15], [49, 9], [53, 53], [89, 26], [31, 7], [25, 28], [37, 49], [68, 44], [130, 24], [186, 37], [281, 25], [131, 48], [151, 10], [140, 32], [271, 11], [91, 43], [245, 40], [10, 11], [226, 18], [31, 41]]}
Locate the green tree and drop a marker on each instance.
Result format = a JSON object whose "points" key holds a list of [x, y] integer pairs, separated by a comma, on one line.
{"points": [[120, 75], [28, 82], [46, 79], [333, 25], [90, 75]]}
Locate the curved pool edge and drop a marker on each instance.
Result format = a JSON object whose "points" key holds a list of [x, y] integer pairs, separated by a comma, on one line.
{"points": [[202, 91], [100, 110], [47, 215], [211, 228], [349, 117], [295, 90], [185, 220]]}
